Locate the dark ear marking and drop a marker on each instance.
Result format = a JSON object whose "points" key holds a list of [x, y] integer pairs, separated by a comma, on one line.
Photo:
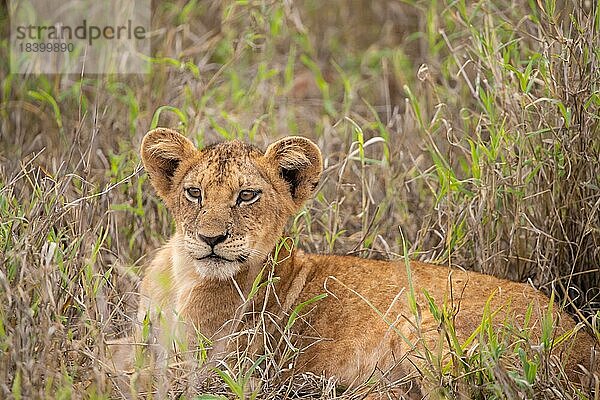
{"points": [[291, 176], [299, 163], [170, 166]]}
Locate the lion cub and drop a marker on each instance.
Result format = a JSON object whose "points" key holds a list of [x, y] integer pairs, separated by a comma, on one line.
{"points": [[230, 203]]}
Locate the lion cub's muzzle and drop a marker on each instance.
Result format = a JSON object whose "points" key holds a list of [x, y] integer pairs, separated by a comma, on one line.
{"points": [[221, 247]]}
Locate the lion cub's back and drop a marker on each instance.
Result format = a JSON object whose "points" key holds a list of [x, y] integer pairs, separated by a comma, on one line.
{"points": [[361, 289], [367, 311]]}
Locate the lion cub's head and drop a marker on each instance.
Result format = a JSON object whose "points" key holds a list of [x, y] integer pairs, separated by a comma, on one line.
{"points": [[230, 201]]}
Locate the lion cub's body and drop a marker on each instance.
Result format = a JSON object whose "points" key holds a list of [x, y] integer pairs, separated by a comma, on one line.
{"points": [[356, 340], [364, 326]]}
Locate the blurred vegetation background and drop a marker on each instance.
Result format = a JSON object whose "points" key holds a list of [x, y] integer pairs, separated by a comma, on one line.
{"points": [[468, 131]]}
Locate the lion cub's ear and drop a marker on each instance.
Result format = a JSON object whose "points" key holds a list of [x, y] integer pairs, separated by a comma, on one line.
{"points": [[299, 163], [162, 151]]}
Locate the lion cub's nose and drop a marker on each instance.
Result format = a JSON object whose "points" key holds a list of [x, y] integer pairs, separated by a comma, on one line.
{"points": [[212, 241]]}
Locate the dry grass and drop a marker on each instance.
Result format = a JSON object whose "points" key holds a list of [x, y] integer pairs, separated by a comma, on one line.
{"points": [[470, 129]]}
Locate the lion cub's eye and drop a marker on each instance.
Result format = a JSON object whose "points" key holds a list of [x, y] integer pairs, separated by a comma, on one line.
{"points": [[248, 196], [193, 194]]}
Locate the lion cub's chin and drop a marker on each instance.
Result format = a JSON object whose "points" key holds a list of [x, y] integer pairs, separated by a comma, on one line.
{"points": [[220, 269], [207, 268]]}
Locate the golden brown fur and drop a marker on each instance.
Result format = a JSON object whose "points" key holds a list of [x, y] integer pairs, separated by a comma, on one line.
{"points": [[365, 322]]}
